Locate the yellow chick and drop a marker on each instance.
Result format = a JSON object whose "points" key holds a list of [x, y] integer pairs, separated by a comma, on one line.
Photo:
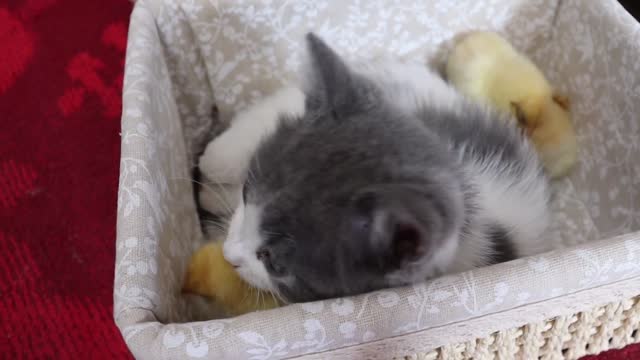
{"points": [[485, 67], [209, 274]]}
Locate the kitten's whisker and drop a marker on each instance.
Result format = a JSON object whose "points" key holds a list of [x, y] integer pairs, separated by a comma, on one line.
{"points": [[246, 295], [275, 233], [193, 181], [219, 225], [258, 165], [249, 293], [256, 302], [216, 193], [280, 297], [273, 296], [251, 178], [219, 195]]}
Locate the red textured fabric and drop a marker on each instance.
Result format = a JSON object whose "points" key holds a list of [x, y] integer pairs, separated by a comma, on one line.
{"points": [[61, 64]]}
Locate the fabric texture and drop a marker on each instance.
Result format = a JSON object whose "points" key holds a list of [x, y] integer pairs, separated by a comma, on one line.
{"points": [[60, 90], [183, 56]]}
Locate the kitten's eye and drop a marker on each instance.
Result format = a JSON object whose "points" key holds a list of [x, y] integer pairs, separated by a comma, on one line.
{"points": [[263, 255]]}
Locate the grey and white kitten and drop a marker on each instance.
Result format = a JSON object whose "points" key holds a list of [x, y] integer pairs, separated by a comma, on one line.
{"points": [[376, 175]]}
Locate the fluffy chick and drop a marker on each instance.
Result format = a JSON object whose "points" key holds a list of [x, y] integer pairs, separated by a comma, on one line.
{"points": [[209, 274], [485, 67]]}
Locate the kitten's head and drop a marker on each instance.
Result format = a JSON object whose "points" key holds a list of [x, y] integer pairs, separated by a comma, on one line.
{"points": [[351, 197]]}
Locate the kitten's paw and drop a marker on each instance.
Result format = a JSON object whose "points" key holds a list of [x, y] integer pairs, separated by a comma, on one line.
{"points": [[224, 161], [226, 158]]}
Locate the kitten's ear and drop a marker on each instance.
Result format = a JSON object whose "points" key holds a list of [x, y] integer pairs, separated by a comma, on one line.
{"points": [[392, 233], [333, 86]]}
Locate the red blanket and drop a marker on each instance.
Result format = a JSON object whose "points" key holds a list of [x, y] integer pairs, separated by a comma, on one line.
{"points": [[61, 64]]}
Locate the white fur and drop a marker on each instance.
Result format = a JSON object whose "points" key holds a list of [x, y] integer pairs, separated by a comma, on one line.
{"points": [[519, 204], [409, 86], [242, 243]]}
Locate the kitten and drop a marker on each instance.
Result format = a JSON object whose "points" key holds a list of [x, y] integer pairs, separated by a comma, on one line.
{"points": [[376, 175]]}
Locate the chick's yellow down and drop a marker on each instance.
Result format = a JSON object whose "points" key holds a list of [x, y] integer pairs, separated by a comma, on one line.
{"points": [[209, 274], [485, 67]]}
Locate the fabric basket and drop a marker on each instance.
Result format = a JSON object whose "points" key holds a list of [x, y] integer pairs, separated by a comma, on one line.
{"points": [[185, 55]]}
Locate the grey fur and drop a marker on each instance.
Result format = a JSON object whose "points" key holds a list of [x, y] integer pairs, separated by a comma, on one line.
{"points": [[355, 191]]}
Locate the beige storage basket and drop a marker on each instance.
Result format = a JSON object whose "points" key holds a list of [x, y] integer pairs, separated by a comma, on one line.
{"points": [[580, 299]]}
